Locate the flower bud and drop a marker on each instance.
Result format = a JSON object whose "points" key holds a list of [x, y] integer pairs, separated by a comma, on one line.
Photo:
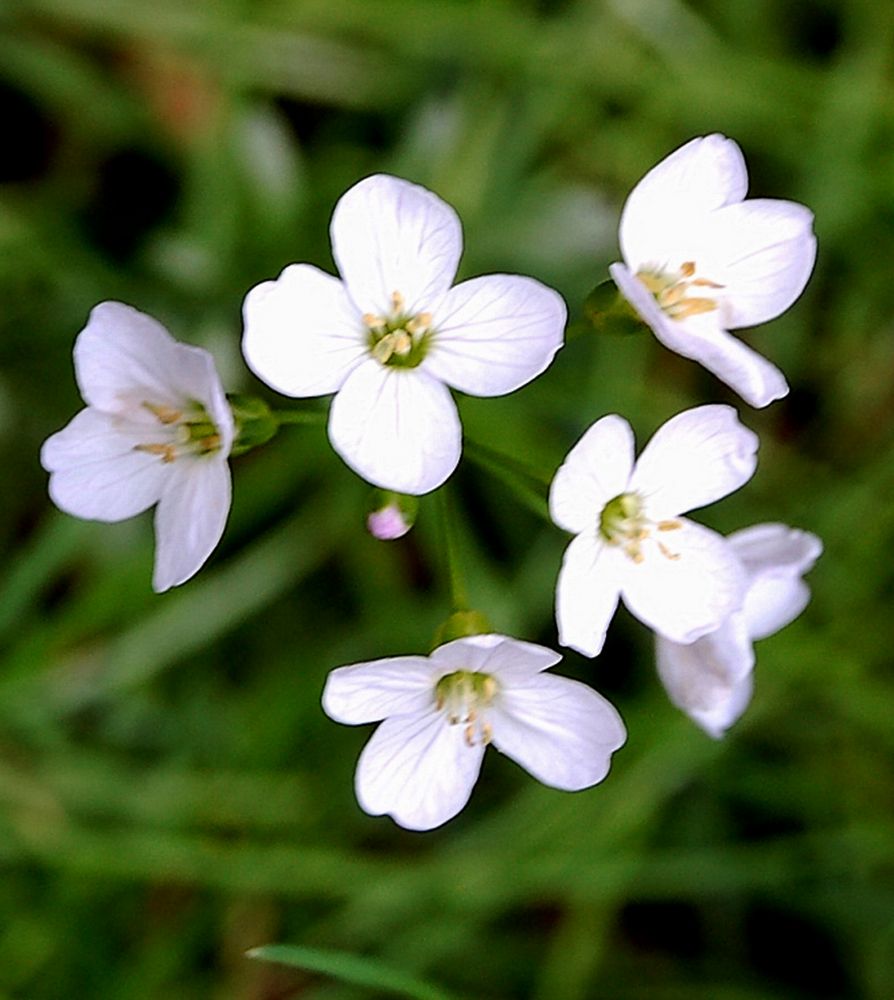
{"points": [[393, 516]]}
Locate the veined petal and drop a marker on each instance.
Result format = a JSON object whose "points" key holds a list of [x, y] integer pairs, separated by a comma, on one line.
{"points": [[96, 470], [418, 769], [715, 721], [687, 582], [303, 335], [587, 593], [700, 338], [596, 470], [697, 457], [762, 252], [506, 658], [496, 333], [190, 518], [705, 174], [559, 730], [396, 427], [368, 692], [125, 359], [389, 235]]}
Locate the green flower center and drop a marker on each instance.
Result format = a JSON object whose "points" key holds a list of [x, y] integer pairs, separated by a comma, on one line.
{"points": [[400, 339], [623, 522], [465, 695], [189, 431], [671, 290]]}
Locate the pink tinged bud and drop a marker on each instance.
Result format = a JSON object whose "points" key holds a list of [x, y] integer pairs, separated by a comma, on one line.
{"points": [[388, 523]]}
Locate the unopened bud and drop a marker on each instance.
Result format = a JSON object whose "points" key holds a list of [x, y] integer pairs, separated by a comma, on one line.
{"points": [[393, 516]]}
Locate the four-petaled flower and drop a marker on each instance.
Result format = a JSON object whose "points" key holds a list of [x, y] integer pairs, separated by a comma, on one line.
{"points": [[678, 577], [711, 678], [441, 711], [156, 429], [393, 334], [700, 261]]}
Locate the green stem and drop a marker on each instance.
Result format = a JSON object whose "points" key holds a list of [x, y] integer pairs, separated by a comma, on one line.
{"points": [[458, 596], [283, 417], [524, 481]]}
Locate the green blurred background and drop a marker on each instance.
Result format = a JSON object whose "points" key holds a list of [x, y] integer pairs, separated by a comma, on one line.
{"points": [[171, 794]]}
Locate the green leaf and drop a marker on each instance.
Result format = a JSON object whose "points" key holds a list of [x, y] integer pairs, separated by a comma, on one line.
{"points": [[350, 969]]}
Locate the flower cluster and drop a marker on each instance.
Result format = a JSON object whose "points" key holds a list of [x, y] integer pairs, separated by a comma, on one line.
{"points": [[389, 339]]}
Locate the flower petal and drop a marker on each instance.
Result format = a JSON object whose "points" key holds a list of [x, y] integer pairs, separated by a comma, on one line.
{"points": [[700, 675], [124, 359], [705, 174], [190, 518], [701, 339], [587, 593], [495, 333], [559, 730], [775, 556], [687, 582], [303, 335], [508, 659], [697, 457], [596, 470], [396, 427], [389, 235], [368, 692], [762, 252], [418, 769], [96, 471], [708, 679]]}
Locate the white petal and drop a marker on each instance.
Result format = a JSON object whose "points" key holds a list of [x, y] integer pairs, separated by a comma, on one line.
{"points": [[587, 593], [303, 335], [702, 684], [559, 730], [496, 333], [418, 769], [190, 518], [508, 659], [697, 457], [596, 470], [689, 588], [700, 338], [701, 675], [762, 252], [124, 359], [396, 427], [368, 692], [715, 721], [389, 235], [774, 557], [698, 178], [96, 473]]}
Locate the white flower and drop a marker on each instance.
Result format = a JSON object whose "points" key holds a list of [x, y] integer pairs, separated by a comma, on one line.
{"points": [[156, 429], [678, 577], [711, 679], [699, 261], [441, 711], [393, 334]]}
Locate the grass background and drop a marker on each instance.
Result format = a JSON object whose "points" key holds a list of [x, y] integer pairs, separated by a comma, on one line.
{"points": [[170, 793]]}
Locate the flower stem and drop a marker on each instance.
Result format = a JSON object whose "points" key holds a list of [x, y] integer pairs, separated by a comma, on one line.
{"points": [[458, 597], [283, 417], [527, 482]]}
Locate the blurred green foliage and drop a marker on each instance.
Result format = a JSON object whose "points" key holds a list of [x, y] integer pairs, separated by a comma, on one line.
{"points": [[170, 793]]}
